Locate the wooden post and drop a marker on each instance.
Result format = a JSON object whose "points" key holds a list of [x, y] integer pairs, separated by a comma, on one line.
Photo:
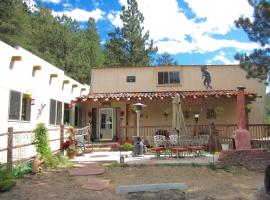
{"points": [[62, 128], [89, 133], [10, 148]]}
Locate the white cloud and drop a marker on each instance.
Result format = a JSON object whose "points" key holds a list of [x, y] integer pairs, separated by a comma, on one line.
{"points": [[169, 26], [52, 1], [31, 4], [219, 14], [221, 57], [81, 15], [114, 17]]}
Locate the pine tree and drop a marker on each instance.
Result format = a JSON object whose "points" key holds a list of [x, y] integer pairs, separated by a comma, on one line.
{"points": [[129, 46], [257, 63], [165, 59]]}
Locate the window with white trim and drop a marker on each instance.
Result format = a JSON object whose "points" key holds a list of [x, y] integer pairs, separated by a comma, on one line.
{"points": [[172, 77], [19, 106], [55, 112]]}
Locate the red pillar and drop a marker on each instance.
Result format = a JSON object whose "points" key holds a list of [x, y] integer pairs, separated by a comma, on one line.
{"points": [[241, 135], [241, 110]]}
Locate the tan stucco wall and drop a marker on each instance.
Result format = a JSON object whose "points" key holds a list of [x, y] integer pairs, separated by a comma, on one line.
{"points": [[109, 80], [223, 78]]}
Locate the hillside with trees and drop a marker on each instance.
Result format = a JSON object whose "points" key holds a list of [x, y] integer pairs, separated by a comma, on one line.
{"points": [[58, 40]]}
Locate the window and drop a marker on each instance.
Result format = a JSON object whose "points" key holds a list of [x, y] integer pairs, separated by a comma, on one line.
{"points": [[67, 114], [78, 116], [210, 114], [168, 77], [19, 106], [55, 112]]}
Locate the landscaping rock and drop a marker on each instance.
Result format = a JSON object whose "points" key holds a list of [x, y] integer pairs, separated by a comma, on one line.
{"points": [[85, 171], [96, 184], [150, 187]]}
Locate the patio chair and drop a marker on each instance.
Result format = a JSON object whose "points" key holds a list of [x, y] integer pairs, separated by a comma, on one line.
{"points": [[199, 144], [159, 142], [178, 147]]}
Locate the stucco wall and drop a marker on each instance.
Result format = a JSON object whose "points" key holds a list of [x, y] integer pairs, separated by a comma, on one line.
{"points": [[229, 77], [20, 77], [224, 77]]}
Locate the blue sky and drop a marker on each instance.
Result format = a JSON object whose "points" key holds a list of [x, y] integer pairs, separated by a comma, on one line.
{"points": [[192, 31]]}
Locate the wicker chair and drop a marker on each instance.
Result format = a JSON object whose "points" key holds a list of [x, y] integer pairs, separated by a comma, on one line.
{"points": [[159, 142]]}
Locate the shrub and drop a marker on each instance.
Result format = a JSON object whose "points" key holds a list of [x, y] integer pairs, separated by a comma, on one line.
{"points": [[43, 146], [127, 146], [7, 180], [42, 140], [21, 168]]}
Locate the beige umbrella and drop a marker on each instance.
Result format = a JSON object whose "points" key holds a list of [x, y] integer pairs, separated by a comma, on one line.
{"points": [[178, 122]]}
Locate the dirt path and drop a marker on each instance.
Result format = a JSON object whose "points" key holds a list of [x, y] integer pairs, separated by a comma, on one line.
{"points": [[203, 183]]}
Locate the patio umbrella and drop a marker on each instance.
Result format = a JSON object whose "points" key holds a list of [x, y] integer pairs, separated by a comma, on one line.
{"points": [[178, 122]]}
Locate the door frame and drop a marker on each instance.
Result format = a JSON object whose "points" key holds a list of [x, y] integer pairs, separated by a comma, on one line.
{"points": [[99, 124]]}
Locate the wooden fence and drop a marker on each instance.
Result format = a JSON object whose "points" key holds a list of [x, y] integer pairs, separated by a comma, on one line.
{"points": [[221, 132], [20, 145]]}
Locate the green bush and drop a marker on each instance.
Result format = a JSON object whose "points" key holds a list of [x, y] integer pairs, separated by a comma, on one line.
{"points": [[43, 146], [65, 162], [50, 160], [127, 147], [42, 140], [21, 168], [7, 180]]}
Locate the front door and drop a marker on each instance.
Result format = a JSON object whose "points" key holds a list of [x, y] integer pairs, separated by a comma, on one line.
{"points": [[105, 124]]}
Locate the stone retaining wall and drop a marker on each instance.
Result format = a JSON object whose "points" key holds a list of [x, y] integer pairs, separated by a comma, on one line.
{"points": [[254, 159]]}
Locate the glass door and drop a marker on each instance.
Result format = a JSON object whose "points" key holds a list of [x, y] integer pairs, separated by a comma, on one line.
{"points": [[105, 123]]}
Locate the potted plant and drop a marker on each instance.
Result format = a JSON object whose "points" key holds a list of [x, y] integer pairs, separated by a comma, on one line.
{"points": [[71, 151], [70, 148], [225, 145]]}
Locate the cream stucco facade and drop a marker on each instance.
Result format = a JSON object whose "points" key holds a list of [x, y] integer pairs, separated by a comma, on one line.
{"points": [[108, 85]]}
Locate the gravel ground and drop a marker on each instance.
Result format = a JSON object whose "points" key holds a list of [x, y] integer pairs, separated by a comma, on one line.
{"points": [[203, 184]]}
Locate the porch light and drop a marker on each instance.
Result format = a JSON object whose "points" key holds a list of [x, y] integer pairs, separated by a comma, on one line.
{"points": [[32, 102], [196, 117]]}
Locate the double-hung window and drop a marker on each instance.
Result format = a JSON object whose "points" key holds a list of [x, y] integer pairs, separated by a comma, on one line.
{"points": [[55, 112], [172, 77], [19, 106]]}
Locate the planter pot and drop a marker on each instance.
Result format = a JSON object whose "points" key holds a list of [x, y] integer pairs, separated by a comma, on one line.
{"points": [[71, 155], [225, 146]]}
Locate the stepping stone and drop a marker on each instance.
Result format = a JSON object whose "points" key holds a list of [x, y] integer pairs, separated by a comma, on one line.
{"points": [[88, 165], [85, 171], [96, 184], [150, 187]]}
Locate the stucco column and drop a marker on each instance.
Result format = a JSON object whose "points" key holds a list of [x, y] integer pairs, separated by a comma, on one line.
{"points": [[241, 110], [241, 135]]}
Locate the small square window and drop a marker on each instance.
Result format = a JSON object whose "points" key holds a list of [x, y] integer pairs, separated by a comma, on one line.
{"points": [[131, 79]]}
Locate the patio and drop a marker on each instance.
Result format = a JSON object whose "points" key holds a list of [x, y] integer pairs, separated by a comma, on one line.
{"points": [[149, 158]]}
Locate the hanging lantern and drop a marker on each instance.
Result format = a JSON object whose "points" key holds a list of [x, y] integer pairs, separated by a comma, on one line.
{"points": [[32, 102]]}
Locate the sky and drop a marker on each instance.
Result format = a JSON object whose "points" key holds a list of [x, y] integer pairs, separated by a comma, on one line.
{"points": [[194, 32]]}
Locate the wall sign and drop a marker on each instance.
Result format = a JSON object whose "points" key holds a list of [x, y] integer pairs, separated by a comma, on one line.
{"points": [[131, 79]]}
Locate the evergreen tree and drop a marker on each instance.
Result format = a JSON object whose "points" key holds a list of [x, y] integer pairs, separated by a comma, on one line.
{"points": [[165, 59], [128, 46], [14, 23], [88, 54], [257, 63]]}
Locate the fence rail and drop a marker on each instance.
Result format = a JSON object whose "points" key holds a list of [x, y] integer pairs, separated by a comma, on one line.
{"points": [[221, 132], [20, 145]]}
